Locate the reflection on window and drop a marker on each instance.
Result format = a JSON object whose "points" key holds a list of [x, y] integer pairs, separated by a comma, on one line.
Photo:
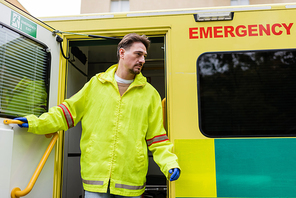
{"points": [[119, 6], [247, 93], [23, 75]]}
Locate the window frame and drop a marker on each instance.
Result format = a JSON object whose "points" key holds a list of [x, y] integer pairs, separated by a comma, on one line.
{"points": [[239, 2], [47, 65], [119, 6]]}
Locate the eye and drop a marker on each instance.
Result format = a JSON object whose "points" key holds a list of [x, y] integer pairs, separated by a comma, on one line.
{"points": [[139, 54]]}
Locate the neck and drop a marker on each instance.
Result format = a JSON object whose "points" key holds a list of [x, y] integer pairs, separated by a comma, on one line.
{"points": [[124, 74]]}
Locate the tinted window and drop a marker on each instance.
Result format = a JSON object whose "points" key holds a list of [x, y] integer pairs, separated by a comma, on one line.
{"points": [[247, 93]]}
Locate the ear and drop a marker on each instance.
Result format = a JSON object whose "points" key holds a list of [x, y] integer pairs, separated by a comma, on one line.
{"points": [[121, 52]]}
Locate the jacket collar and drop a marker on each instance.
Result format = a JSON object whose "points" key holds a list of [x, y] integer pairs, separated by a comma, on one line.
{"points": [[108, 76]]}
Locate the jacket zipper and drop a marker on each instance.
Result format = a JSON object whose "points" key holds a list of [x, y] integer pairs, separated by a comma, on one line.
{"points": [[115, 138]]}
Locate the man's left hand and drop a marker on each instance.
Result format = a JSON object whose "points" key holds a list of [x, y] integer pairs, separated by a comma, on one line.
{"points": [[175, 174]]}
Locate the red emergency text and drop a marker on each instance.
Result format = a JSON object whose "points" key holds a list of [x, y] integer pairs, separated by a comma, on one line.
{"points": [[240, 30]]}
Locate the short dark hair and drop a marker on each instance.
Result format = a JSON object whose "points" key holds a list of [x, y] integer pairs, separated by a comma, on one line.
{"points": [[131, 38]]}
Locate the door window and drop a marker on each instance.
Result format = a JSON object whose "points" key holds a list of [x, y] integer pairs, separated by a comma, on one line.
{"points": [[24, 74]]}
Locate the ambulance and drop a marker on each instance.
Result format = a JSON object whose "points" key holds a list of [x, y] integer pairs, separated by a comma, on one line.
{"points": [[226, 76]]}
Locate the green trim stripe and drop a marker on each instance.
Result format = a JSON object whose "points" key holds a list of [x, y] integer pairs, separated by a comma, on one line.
{"points": [[256, 167]]}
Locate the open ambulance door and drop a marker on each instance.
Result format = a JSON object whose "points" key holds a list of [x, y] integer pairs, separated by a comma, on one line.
{"points": [[29, 79]]}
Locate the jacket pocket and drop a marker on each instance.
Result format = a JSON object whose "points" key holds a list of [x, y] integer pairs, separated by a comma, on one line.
{"points": [[141, 158]]}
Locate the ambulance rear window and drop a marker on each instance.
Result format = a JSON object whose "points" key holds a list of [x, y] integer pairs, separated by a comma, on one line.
{"points": [[24, 74], [250, 93]]}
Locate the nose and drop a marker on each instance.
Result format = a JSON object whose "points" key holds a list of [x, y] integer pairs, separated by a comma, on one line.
{"points": [[142, 59]]}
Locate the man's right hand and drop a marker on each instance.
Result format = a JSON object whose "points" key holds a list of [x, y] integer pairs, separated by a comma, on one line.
{"points": [[23, 119]]}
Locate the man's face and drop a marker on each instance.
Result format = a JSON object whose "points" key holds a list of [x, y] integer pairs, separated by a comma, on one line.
{"points": [[134, 57]]}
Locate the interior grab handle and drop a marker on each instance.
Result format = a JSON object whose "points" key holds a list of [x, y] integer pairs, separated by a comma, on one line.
{"points": [[8, 121], [163, 102]]}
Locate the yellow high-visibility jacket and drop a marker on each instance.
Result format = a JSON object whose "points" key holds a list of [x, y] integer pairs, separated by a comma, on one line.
{"points": [[116, 131]]}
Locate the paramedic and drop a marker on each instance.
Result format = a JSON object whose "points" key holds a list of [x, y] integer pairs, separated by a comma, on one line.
{"points": [[121, 114]]}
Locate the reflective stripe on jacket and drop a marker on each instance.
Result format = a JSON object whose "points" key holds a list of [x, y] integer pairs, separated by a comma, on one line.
{"points": [[115, 133]]}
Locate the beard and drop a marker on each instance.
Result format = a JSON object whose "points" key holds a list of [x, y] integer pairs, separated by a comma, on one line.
{"points": [[136, 71]]}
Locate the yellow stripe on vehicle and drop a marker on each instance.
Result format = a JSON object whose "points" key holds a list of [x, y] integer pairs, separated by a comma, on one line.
{"points": [[197, 162]]}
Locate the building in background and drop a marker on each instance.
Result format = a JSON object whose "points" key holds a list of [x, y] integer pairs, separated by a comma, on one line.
{"points": [[17, 4], [101, 6]]}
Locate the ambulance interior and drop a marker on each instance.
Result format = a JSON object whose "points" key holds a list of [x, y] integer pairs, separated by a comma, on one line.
{"points": [[87, 58]]}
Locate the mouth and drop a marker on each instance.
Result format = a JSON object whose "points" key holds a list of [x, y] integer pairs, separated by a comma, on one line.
{"points": [[138, 66]]}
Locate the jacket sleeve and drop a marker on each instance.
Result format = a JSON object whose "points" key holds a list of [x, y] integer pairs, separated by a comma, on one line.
{"points": [[61, 117], [157, 139]]}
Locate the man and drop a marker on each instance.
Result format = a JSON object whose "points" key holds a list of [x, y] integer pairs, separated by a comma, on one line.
{"points": [[121, 115]]}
